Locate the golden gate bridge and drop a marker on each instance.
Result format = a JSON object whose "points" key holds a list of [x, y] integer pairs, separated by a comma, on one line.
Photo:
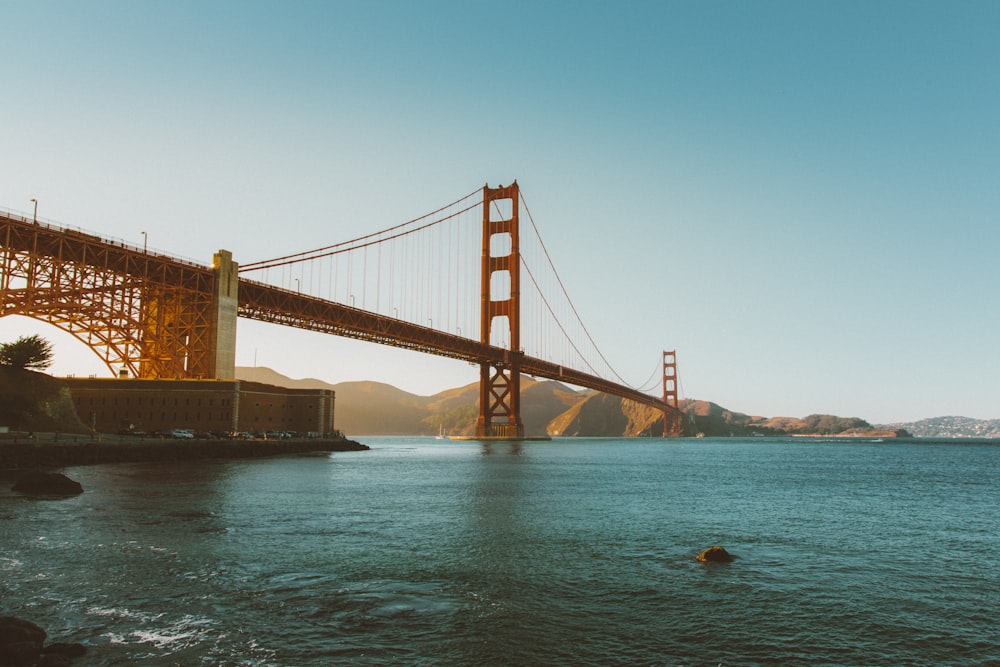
{"points": [[468, 281]]}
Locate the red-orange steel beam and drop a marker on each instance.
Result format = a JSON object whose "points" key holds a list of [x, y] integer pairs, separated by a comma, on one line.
{"points": [[500, 383], [671, 420], [143, 312]]}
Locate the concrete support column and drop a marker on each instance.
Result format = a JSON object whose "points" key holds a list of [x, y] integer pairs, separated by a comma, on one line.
{"points": [[224, 306]]}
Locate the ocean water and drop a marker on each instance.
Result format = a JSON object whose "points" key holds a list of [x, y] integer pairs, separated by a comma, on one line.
{"points": [[570, 552]]}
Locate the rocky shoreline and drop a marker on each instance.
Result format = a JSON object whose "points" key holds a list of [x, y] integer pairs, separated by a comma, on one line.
{"points": [[18, 454], [22, 644]]}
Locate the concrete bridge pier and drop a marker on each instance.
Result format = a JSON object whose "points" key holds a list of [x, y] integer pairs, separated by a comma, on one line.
{"points": [[225, 302]]}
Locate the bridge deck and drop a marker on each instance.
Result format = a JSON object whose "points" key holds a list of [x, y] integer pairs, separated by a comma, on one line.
{"points": [[265, 303]]}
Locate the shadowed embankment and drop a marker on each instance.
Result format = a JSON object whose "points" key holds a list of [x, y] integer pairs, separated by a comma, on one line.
{"points": [[15, 454]]}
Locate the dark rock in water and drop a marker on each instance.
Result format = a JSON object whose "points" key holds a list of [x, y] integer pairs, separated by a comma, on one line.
{"points": [[48, 483], [55, 660], [20, 641], [715, 555], [13, 629], [70, 650], [20, 654], [21, 645]]}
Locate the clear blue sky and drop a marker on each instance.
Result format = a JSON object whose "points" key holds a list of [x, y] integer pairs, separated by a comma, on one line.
{"points": [[802, 198]]}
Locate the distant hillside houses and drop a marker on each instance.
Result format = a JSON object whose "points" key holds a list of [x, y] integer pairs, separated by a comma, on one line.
{"points": [[952, 427]]}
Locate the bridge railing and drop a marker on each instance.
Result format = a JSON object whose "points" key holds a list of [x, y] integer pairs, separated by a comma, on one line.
{"points": [[45, 223]]}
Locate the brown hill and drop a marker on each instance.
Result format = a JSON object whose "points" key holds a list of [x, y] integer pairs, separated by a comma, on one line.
{"points": [[453, 411], [372, 408], [602, 415], [711, 419], [541, 402], [595, 415], [35, 401]]}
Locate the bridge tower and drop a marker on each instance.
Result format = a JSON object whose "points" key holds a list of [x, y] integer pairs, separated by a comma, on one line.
{"points": [[500, 382], [671, 418]]}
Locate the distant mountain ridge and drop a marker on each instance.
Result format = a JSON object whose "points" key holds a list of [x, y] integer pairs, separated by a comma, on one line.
{"points": [[548, 407]]}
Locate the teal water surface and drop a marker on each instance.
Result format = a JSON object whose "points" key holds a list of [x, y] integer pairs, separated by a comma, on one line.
{"points": [[570, 552]]}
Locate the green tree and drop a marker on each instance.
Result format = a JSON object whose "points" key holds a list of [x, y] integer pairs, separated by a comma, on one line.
{"points": [[27, 353]]}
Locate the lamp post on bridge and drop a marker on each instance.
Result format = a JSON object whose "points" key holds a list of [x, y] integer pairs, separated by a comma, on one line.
{"points": [[145, 238], [34, 216]]}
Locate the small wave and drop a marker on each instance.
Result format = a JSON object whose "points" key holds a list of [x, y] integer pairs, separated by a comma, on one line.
{"points": [[186, 632], [160, 639], [8, 564], [122, 613], [374, 603]]}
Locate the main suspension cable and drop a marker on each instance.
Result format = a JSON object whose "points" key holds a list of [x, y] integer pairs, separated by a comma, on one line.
{"points": [[339, 248], [569, 300], [312, 254]]}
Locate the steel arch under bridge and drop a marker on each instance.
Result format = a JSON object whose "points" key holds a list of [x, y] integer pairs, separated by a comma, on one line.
{"points": [[145, 314]]}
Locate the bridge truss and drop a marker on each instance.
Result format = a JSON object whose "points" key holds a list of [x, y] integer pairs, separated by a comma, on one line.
{"points": [[144, 314]]}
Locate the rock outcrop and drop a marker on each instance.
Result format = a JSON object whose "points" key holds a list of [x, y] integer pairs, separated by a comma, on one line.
{"points": [[22, 644], [715, 555], [48, 484]]}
